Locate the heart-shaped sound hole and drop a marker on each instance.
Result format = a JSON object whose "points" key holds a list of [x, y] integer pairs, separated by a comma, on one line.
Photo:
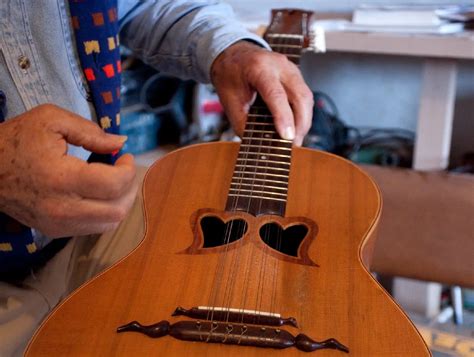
{"points": [[217, 233], [286, 241]]}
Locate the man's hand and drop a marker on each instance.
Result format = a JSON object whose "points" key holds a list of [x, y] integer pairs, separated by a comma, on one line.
{"points": [[244, 68], [58, 194]]}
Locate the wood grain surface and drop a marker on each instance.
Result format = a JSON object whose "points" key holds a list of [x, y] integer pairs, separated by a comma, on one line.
{"points": [[337, 298]]}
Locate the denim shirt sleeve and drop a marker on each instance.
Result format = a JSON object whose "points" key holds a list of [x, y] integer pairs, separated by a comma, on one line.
{"points": [[180, 37]]}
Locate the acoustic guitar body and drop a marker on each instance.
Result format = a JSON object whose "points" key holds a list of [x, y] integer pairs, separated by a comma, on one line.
{"points": [[324, 285]]}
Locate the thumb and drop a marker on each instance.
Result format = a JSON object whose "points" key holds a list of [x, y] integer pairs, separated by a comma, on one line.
{"points": [[82, 132], [126, 160]]}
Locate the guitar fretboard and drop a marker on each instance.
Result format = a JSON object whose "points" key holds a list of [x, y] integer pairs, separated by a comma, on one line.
{"points": [[260, 181]]}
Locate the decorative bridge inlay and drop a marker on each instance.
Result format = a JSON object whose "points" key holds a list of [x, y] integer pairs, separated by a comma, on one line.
{"points": [[233, 327], [232, 334]]}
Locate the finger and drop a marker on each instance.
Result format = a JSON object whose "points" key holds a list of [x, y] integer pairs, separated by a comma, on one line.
{"points": [[86, 216], [274, 95], [106, 211], [301, 100], [82, 132], [101, 181]]}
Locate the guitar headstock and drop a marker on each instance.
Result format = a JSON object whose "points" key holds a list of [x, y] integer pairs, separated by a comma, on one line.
{"points": [[290, 32]]}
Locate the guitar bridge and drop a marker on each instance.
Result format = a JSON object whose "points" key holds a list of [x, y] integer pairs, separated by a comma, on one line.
{"points": [[232, 334], [233, 327]]}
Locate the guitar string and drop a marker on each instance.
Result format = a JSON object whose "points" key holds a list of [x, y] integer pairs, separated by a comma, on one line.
{"points": [[251, 259], [231, 282], [241, 231], [235, 265], [264, 251], [276, 265], [280, 235], [244, 296], [224, 259], [251, 256], [281, 42], [227, 235], [228, 294], [251, 138], [218, 274], [248, 269]]}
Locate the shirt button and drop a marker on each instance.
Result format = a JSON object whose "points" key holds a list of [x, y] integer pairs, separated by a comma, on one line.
{"points": [[24, 62]]}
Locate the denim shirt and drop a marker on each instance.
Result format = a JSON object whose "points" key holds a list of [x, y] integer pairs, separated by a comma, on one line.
{"points": [[39, 63]]}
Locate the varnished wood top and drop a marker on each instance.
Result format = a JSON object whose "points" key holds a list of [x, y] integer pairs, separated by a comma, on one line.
{"points": [[337, 298]]}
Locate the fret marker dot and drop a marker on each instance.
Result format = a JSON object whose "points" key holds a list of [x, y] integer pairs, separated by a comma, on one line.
{"points": [[267, 135], [263, 157]]}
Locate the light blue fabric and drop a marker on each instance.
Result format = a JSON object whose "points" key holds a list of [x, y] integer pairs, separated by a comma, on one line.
{"points": [[178, 37]]}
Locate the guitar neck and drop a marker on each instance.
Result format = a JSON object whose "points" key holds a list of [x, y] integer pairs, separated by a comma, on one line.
{"points": [[260, 181]]}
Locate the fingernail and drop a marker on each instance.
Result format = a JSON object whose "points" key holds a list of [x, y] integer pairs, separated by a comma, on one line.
{"points": [[122, 138], [289, 133]]}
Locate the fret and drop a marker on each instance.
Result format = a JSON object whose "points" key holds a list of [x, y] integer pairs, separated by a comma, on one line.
{"points": [[253, 179], [261, 197], [259, 131], [282, 141], [299, 47], [259, 173], [264, 161], [263, 186], [265, 147], [248, 154], [258, 192], [292, 56], [262, 168], [285, 35], [278, 179], [256, 115], [277, 194], [261, 123]]}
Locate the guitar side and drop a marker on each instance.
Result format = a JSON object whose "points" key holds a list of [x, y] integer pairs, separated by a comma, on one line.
{"points": [[337, 297]]}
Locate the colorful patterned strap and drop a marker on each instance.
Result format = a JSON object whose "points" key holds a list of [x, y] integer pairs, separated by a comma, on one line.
{"points": [[95, 26]]}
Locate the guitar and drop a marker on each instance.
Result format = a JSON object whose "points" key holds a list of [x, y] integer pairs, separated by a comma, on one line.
{"points": [[242, 253]]}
